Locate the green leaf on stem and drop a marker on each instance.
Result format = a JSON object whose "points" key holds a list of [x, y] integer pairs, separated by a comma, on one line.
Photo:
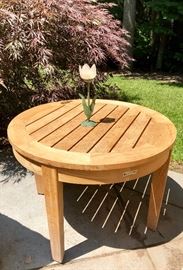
{"points": [[92, 105], [86, 108]]}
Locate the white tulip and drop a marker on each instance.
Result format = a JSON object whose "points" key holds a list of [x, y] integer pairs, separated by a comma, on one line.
{"points": [[87, 73]]}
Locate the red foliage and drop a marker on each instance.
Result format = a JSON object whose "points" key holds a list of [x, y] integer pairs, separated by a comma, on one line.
{"points": [[39, 39], [92, 34], [60, 33]]}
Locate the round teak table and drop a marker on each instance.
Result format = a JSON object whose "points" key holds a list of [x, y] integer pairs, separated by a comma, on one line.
{"points": [[128, 142]]}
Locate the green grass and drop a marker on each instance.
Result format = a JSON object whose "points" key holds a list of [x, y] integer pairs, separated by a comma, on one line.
{"points": [[164, 97]]}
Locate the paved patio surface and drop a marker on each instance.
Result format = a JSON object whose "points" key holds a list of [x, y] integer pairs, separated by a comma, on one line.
{"points": [[105, 226]]}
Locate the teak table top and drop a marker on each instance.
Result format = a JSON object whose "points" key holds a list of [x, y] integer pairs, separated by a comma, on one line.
{"points": [[126, 134]]}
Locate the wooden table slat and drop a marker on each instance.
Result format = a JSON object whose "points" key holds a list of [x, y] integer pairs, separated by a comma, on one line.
{"points": [[115, 133], [59, 122], [86, 144], [31, 118], [154, 135], [39, 111], [65, 130], [131, 136], [68, 142], [48, 118]]}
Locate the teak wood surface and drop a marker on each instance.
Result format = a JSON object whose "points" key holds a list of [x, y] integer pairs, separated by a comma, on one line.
{"points": [[129, 141]]}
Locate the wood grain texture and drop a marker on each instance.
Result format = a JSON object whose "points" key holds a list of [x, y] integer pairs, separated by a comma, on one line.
{"points": [[55, 118], [123, 131], [39, 184], [133, 133], [54, 208], [83, 132], [107, 143], [99, 131], [158, 184], [85, 177], [27, 163], [42, 132], [40, 113], [53, 138]]}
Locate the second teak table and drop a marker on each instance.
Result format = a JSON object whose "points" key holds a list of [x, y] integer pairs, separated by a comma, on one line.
{"points": [[128, 142]]}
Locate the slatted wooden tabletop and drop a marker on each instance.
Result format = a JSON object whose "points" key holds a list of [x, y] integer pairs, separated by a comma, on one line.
{"points": [[125, 133]]}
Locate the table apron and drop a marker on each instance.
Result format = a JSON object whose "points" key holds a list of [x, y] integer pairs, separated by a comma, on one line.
{"points": [[98, 177]]}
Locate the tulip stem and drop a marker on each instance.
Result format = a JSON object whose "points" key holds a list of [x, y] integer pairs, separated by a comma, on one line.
{"points": [[88, 93]]}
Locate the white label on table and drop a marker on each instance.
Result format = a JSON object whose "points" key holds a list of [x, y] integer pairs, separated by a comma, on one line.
{"points": [[128, 173]]}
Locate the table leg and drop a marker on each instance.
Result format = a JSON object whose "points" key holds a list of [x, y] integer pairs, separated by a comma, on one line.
{"points": [[158, 184], [54, 207], [39, 184]]}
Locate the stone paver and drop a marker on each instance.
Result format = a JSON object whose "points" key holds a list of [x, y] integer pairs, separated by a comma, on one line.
{"points": [[126, 260], [168, 256]]}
